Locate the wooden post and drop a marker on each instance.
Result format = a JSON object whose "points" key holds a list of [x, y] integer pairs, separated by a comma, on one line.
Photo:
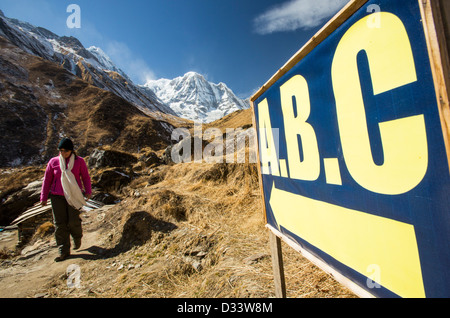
{"points": [[436, 23], [277, 263]]}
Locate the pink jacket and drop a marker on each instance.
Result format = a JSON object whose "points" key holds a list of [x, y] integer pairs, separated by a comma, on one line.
{"points": [[52, 178]]}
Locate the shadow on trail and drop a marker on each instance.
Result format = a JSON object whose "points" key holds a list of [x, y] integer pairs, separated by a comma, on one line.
{"points": [[137, 230]]}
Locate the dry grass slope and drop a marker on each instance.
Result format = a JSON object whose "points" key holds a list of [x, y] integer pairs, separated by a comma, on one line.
{"points": [[193, 230], [198, 233]]}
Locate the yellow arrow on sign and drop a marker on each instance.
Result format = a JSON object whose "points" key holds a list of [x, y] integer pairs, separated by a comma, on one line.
{"points": [[357, 239]]}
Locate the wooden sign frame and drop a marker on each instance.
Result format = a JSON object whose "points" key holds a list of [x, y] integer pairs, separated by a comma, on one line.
{"points": [[436, 23]]}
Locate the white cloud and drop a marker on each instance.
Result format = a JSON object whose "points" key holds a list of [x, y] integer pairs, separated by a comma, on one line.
{"points": [[296, 14], [135, 67]]}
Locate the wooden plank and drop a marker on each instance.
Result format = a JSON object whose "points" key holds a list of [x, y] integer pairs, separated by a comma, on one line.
{"points": [[94, 204], [444, 10], [38, 209], [437, 45], [37, 206], [29, 214], [277, 264]]}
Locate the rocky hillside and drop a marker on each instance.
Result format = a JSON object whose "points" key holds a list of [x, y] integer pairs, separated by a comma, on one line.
{"points": [[41, 101], [91, 64]]}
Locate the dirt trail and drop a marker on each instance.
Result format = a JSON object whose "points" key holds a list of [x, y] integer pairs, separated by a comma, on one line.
{"points": [[28, 275]]}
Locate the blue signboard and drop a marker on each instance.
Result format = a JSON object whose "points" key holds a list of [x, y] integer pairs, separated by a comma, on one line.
{"points": [[353, 162]]}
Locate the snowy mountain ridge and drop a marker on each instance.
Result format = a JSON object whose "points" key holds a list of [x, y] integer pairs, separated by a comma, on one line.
{"points": [[105, 61], [191, 96]]}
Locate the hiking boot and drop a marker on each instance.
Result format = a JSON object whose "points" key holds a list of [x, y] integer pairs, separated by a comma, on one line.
{"points": [[77, 244], [62, 257]]}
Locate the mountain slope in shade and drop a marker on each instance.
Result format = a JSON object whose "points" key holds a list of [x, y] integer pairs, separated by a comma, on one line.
{"points": [[193, 97], [41, 102], [91, 65]]}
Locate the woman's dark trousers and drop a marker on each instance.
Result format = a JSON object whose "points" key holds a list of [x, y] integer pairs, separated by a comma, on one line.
{"points": [[67, 223]]}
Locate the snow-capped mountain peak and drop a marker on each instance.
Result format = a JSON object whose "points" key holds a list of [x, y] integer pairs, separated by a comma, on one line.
{"points": [[193, 97]]}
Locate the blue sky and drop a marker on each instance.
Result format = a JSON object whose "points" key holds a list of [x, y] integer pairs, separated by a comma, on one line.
{"points": [[239, 42]]}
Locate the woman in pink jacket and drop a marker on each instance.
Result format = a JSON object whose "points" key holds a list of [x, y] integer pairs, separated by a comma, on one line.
{"points": [[66, 182]]}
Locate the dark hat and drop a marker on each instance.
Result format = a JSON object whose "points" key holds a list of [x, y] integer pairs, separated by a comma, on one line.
{"points": [[65, 143]]}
